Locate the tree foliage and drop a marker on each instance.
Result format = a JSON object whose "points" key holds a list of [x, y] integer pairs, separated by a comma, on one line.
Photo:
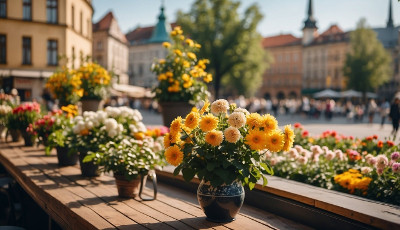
{"points": [[367, 65], [230, 42]]}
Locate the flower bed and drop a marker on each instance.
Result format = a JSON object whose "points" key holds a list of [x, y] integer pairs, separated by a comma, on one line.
{"points": [[366, 167]]}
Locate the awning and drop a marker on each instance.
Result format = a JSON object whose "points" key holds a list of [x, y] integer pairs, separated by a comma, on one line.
{"points": [[132, 91], [327, 93]]}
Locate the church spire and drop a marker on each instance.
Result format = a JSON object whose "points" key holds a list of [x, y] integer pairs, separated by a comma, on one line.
{"points": [[162, 29], [390, 20], [310, 21]]}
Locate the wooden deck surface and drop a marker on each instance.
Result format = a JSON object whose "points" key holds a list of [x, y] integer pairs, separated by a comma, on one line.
{"points": [[75, 202]]}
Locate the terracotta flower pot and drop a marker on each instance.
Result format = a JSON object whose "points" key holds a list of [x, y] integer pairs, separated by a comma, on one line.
{"points": [[127, 189], [171, 110], [90, 105]]}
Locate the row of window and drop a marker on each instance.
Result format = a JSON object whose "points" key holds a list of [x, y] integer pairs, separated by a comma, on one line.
{"points": [[51, 10], [288, 57], [52, 50], [281, 69], [335, 73]]}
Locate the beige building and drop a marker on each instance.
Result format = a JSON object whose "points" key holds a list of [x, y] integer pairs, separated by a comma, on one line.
{"points": [[110, 47], [283, 78], [33, 34], [145, 45]]}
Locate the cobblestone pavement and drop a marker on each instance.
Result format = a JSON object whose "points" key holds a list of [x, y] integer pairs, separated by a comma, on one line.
{"points": [[315, 126]]}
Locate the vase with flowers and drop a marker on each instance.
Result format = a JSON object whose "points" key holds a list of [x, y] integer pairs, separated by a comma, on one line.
{"points": [[95, 85], [130, 160], [20, 118], [225, 148], [95, 128], [181, 77]]}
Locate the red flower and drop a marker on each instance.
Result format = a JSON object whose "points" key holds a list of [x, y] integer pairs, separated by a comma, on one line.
{"points": [[333, 133], [390, 143], [297, 126], [368, 138], [304, 133], [375, 136], [380, 144], [354, 155]]}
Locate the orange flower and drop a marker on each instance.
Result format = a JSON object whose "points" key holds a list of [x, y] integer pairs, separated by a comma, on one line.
{"points": [[380, 144]]}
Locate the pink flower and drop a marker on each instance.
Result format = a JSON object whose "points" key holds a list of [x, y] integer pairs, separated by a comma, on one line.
{"points": [[381, 161], [395, 156], [379, 171], [396, 167]]}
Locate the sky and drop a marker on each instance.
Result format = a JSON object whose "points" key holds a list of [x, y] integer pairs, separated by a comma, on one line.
{"points": [[280, 16]]}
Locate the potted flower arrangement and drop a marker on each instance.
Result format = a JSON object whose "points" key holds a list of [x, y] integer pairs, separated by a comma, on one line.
{"points": [[95, 83], [181, 77], [4, 111], [21, 117], [100, 127], [130, 161], [65, 85], [226, 149], [58, 137]]}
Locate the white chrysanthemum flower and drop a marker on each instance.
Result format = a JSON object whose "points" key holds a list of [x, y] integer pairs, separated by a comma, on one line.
{"points": [[133, 128], [381, 161], [112, 133], [339, 154], [110, 124], [237, 119], [330, 155], [241, 110], [89, 124], [137, 116], [366, 170], [141, 127], [219, 106], [232, 134]]}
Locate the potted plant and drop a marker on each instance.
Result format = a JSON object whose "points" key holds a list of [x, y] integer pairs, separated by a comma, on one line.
{"points": [[181, 77], [130, 161], [65, 85], [95, 83], [21, 117], [100, 127], [4, 111], [226, 149], [58, 138]]}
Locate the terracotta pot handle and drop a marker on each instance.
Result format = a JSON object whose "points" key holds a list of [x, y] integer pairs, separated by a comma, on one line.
{"points": [[153, 176]]}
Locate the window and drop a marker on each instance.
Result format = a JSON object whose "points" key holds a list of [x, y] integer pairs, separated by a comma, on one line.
{"points": [[26, 51], [3, 8], [3, 51], [99, 45], [27, 10], [73, 17], [52, 52], [81, 23], [73, 54], [52, 11]]}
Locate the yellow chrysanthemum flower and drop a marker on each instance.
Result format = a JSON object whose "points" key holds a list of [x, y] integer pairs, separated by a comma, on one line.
{"points": [[173, 155], [208, 78], [192, 120], [166, 44], [205, 107], [253, 120], [191, 55], [256, 139], [167, 141], [176, 125], [289, 138], [208, 122], [269, 123], [178, 52], [185, 77], [189, 42], [214, 138], [275, 140]]}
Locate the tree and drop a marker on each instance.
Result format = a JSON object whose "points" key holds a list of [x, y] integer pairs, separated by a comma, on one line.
{"points": [[367, 65], [231, 43]]}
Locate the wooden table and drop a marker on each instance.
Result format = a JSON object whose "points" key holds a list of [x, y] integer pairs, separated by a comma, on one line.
{"points": [[75, 202]]}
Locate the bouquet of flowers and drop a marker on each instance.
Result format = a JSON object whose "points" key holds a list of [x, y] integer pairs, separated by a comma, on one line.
{"points": [[181, 75], [4, 111], [6, 99], [223, 144], [23, 115], [65, 85], [95, 81]]}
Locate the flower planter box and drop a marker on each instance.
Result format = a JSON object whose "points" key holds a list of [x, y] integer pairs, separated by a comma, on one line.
{"points": [[313, 206]]}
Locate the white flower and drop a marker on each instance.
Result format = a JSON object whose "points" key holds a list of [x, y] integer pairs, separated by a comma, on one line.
{"points": [[137, 116], [325, 149], [232, 134], [89, 124], [112, 133], [366, 170], [330, 155], [381, 161], [237, 119], [316, 149], [219, 106], [110, 124], [241, 110], [141, 127], [293, 153], [302, 160], [133, 128], [339, 154], [298, 148]]}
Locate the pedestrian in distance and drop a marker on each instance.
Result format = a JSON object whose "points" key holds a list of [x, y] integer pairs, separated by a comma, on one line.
{"points": [[384, 111], [394, 115]]}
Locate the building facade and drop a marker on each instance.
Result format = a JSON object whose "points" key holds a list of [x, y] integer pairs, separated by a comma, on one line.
{"points": [[33, 37], [145, 45], [110, 47], [283, 78]]}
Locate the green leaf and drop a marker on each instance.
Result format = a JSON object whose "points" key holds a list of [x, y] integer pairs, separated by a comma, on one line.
{"points": [[267, 168], [177, 170], [251, 185], [188, 174], [265, 180], [89, 158], [211, 166], [226, 164]]}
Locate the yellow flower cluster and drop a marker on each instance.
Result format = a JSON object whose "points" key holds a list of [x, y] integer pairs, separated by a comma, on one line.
{"points": [[93, 77], [180, 70], [213, 126], [70, 110], [65, 85], [353, 180]]}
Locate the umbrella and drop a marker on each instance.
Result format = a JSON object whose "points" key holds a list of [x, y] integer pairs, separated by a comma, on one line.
{"points": [[327, 93], [371, 95], [130, 90], [350, 93]]}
